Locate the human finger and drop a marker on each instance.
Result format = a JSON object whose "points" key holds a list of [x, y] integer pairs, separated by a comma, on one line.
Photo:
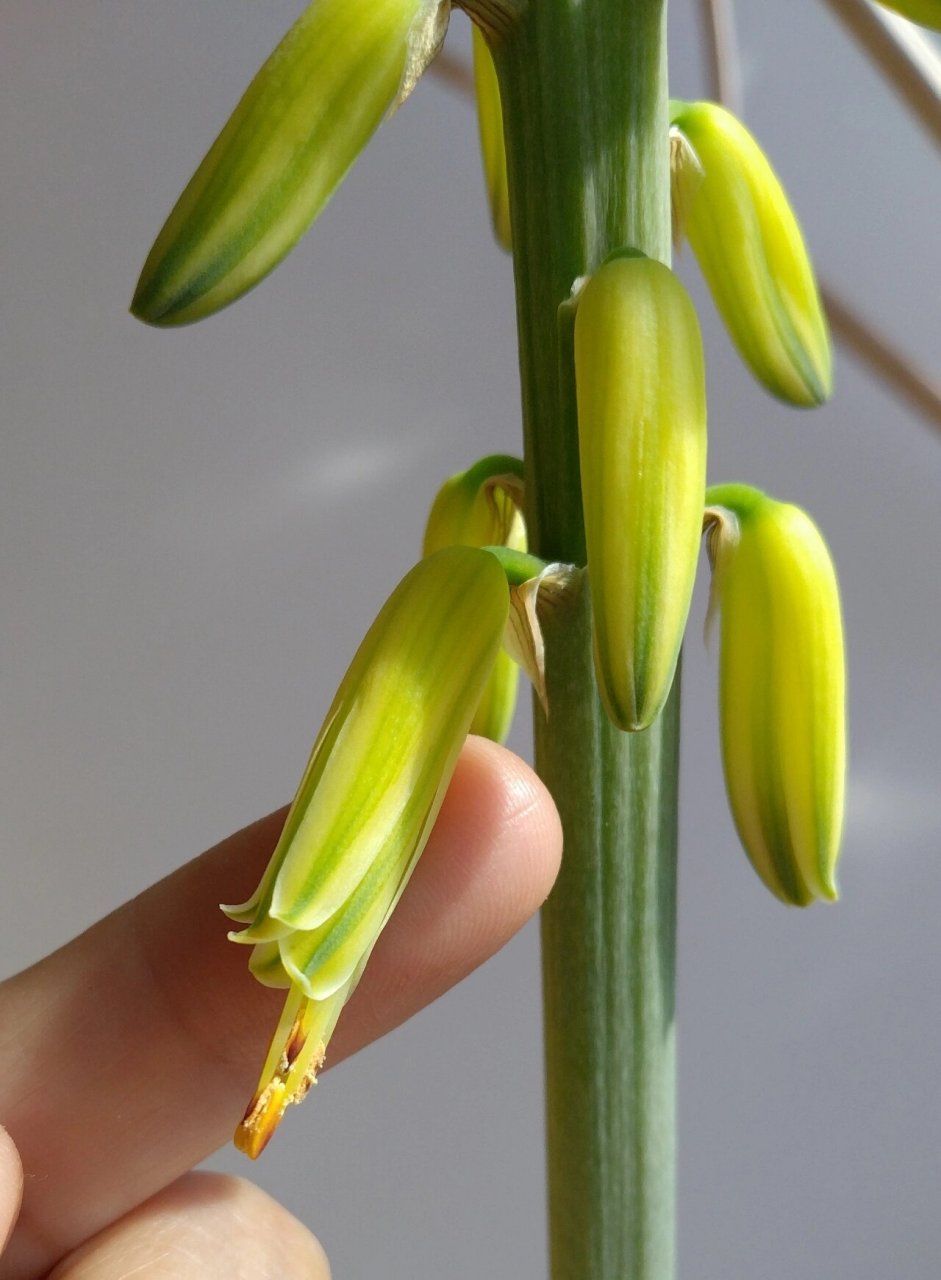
{"points": [[205, 1224], [133, 1050], [11, 1186]]}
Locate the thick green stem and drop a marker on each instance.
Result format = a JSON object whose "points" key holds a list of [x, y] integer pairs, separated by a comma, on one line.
{"points": [[584, 92]]}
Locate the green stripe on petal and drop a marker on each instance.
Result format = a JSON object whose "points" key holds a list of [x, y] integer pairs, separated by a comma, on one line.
{"points": [[373, 786], [399, 719]]}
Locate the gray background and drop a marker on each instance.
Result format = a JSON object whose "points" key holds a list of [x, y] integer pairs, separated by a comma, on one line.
{"points": [[196, 528]]}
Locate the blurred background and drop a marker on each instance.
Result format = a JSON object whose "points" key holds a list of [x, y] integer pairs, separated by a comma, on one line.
{"points": [[196, 527]]}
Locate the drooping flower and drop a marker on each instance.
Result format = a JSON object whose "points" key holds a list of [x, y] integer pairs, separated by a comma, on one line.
{"points": [[302, 122], [640, 386], [749, 246], [781, 689], [364, 809]]}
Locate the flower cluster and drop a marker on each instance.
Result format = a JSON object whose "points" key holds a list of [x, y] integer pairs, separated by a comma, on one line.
{"points": [[432, 666]]}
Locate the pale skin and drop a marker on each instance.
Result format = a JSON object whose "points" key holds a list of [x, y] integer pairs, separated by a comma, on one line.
{"points": [[127, 1056]]}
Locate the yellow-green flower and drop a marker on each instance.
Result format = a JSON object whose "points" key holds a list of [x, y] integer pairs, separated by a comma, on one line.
{"points": [[480, 507], [782, 692], [925, 12], [364, 809], [641, 393], [492, 145], [751, 251], [304, 119]]}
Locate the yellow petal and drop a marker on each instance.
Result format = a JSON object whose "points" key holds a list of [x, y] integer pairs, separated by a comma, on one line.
{"points": [[492, 145], [302, 122], [642, 446], [481, 507], [750, 248], [782, 693]]}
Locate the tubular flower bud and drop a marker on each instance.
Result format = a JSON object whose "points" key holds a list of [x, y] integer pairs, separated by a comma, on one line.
{"points": [[781, 690], [364, 809], [925, 12], [480, 508], [751, 251], [492, 145], [304, 119], [641, 395]]}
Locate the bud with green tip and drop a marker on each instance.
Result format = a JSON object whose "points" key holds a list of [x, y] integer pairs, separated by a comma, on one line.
{"points": [[925, 12], [480, 507], [304, 119], [782, 689], [749, 246], [492, 144], [365, 808], [641, 395]]}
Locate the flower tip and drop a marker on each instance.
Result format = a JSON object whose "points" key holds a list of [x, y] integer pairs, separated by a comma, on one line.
{"points": [[802, 895], [635, 718], [814, 385], [162, 303], [829, 890], [143, 307], [261, 1118], [295, 1057]]}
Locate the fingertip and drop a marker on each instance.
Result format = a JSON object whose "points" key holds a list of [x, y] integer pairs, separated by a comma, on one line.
{"points": [[204, 1224], [11, 1186], [489, 865], [515, 800]]}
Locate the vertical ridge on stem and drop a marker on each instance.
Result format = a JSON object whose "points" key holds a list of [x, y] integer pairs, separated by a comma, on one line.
{"points": [[584, 92]]}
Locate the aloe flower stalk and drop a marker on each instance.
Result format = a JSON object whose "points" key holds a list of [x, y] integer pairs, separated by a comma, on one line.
{"points": [[480, 507], [782, 689], [925, 12], [364, 809], [303, 121], [749, 246], [641, 393], [492, 145]]}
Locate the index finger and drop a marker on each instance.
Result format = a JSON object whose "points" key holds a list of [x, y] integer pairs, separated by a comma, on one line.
{"points": [[128, 1056]]}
